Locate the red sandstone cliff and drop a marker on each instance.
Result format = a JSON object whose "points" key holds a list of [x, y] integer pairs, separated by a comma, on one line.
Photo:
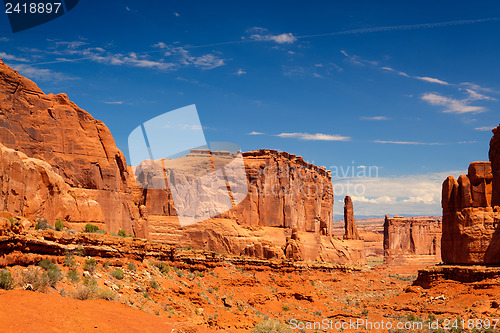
{"points": [[79, 148], [471, 214], [412, 240]]}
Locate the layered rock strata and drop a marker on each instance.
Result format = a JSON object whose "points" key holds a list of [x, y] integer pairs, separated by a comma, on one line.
{"points": [[412, 240]]}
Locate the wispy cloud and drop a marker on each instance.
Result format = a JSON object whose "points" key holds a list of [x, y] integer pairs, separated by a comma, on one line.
{"points": [[475, 96], [263, 34], [241, 72], [357, 60], [484, 128], [315, 137], [176, 14], [400, 27], [41, 74], [4, 39], [255, 133], [5, 56], [164, 57], [393, 70], [451, 105], [374, 118], [114, 102], [432, 80], [409, 143]]}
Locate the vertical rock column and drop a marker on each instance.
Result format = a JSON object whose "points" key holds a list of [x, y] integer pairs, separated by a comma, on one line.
{"points": [[351, 232]]}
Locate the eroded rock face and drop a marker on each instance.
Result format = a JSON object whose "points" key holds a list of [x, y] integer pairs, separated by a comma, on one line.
{"points": [[283, 191], [351, 232], [79, 148], [495, 166], [471, 214], [412, 240]]}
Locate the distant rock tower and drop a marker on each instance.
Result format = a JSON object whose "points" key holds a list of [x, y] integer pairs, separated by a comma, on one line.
{"points": [[351, 232]]}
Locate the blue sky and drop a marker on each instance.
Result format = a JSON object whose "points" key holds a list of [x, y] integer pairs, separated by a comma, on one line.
{"points": [[411, 88]]}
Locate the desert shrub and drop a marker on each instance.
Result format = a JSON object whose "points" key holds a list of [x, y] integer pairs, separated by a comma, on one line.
{"points": [[6, 280], [53, 271], [42, 224], [85, 291], [106, 294], [163, 267], [153, 284], [90, 290], [271, 326], [90, 265], [106, 264], [118, 274], [59, 225], [90, 228], [13, 221], [286, 308], [36, 277], [131, 266], [73, 275], [69, 260], [122, 233]]}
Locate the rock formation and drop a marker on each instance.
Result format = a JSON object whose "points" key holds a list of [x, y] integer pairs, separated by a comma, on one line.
{"points": [[58, 162], [412, 240], [351, 232], [471, 214], [79, 148]]}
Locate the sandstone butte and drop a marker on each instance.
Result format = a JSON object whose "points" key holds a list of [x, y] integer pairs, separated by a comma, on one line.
{"points": [[471, 212], [58, 162], [412, 240]]}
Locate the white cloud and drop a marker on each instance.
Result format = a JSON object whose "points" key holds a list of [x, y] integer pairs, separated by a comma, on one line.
{"points": [[4, 39], [374, 118], [255, 133], [263, 34], [176, 14], [5, 56], [241, 72], [475, 96], [452, 105], [172, 58], [409, 143], [358, 60], [484, 128], [114, 102], [315, 137], [41, 74], [127, 8], [393, 70], [378, 196], [432, 80]]}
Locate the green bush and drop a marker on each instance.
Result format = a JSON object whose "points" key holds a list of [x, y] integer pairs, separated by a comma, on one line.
{"points": [[271, 326], [122, 233], [53, 271], [131, 266], [6, 280], [106, 294], [118, 274], [90, 265], [59, 225], [90, 228], [73, 275], [106, 264], [163, 267], [36, 277], [286, 308]]}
